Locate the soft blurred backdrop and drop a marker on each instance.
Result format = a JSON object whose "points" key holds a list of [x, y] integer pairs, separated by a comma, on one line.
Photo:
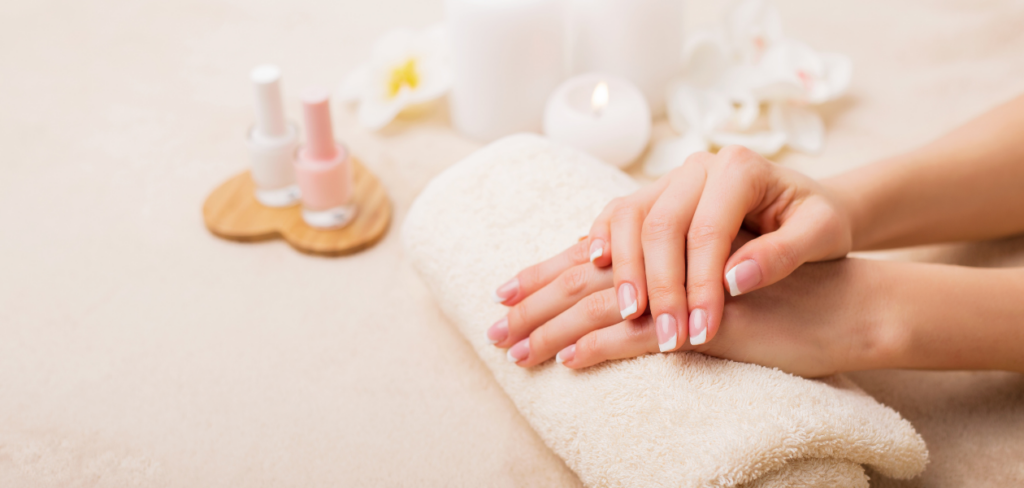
{"points": [[136, 349]]}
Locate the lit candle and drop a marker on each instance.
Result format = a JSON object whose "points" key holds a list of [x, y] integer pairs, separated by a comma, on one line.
{"points": [[602, 115], [640, 40], [507, 56]]}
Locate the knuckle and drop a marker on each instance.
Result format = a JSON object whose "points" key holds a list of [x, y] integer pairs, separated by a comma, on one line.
{"points": [[529, 277], [700, 291], [701, 158], [786, 256], [661, 293], [518, 317], [658, 227], [700, 236], [595, 307], [574, 280], [623, 211], [614, 204], [637, 331], [736, 153], [539, 341], [589, 346], [579, 253]]}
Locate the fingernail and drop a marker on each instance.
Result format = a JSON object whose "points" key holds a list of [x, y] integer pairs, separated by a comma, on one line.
{"points": [[743, 277], [498, 332], [566, 354], [627, 300], [698, 326], [596, 249], [506, 291], [666, 329], [520, 351]]}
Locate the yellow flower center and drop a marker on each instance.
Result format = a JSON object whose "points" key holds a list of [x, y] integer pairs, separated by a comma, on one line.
{"points": [[403, 75]]}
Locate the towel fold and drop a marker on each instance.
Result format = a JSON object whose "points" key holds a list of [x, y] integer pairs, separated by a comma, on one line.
{"points": [[680, 419]]}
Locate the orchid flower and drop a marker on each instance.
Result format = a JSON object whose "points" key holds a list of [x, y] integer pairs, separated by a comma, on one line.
{"points": [[406, 69], [735, 69]]}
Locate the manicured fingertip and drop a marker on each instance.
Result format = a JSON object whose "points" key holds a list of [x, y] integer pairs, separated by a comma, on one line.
{"points": [[627, 300], [698, 327], [519, 352], [498, 332], [596, 249], [665, 326], [566, 354], [506, 291], [743, 277]]}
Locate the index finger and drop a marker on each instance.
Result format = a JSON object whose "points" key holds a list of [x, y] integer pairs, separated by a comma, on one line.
{"points": [[531, 279]]}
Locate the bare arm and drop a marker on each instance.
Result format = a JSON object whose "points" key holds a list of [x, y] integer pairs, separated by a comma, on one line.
{"points": [[966, 185]]}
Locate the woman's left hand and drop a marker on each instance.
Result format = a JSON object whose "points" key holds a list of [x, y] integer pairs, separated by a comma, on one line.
{"points": [[822, 319]]}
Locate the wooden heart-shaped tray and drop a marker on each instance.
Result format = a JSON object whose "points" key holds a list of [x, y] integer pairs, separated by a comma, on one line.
{"points": [[232, 212]]}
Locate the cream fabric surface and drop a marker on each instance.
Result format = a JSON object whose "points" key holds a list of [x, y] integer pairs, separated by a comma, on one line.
{"points": [[138, 350], [659, 420]]}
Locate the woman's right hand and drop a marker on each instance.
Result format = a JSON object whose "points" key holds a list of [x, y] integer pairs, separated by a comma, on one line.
{"points": [[669, 243]]}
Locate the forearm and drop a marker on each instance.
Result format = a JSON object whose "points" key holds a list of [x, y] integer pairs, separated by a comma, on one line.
{"points": [[967, 185], [947, 317]]}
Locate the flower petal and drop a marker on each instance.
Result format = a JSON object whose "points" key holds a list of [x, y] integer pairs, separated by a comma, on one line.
{"points": [[377, 112], [708, 58], [749, 109], [671, 153], [700, 111], [802, 126], [393, 48], [838, 69], [435, 78], [791, 70], [754, 26], [764, 143]]}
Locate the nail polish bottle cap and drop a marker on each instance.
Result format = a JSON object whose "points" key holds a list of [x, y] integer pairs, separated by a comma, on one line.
{"points": [[316, 110], [270, 120]]}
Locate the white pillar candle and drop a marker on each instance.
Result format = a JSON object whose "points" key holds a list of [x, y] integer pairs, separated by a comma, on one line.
{"points": [[599, 114], [640, 40], [507, 56]]}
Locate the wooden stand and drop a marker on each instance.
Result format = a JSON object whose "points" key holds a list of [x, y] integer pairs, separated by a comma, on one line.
{"points": [[232, 212]]}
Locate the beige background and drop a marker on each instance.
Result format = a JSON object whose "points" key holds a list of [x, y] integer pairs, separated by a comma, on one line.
{"points": [[138, 350]]}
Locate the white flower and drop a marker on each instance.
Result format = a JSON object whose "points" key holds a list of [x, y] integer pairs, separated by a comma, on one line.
{"points": [[406, 68], [731, 71]]}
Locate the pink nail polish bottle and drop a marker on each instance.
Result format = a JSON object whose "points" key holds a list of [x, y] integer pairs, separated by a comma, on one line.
{"points": [[272, 142], [323, 168]]}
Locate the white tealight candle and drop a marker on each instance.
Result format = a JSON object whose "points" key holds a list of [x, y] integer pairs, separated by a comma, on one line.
{"points": [[602, 115]]}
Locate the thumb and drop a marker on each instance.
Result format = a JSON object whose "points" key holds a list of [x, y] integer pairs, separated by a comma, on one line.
{"points": [[807, 236]]}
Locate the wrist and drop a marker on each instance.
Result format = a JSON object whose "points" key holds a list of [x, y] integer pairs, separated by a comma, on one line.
{"points": [[880, 336], [852, 207]]}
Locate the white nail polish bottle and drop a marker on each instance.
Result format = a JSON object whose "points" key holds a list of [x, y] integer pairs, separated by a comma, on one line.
{"points": [[272, 142]]}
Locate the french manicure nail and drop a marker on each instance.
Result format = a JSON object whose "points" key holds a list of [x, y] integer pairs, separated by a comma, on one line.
{"points": [[498, 332], [506, 291], [520, 351], [627, 300], [566, 354], [596, 249], [743, 277], [665, 326], [698, 326]]}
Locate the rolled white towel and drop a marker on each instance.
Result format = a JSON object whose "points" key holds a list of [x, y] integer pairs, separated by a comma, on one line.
{"points": [[679, 419]]}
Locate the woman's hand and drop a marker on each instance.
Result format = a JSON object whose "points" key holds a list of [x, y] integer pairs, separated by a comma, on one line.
{"points": [[680, 230], [825, 318]]}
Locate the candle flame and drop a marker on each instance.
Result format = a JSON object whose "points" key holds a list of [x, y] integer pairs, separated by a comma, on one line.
{"points": [[599, 100]]}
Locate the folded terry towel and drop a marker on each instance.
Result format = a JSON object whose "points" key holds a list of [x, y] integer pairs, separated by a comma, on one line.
{"points": [[679, 419]]}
